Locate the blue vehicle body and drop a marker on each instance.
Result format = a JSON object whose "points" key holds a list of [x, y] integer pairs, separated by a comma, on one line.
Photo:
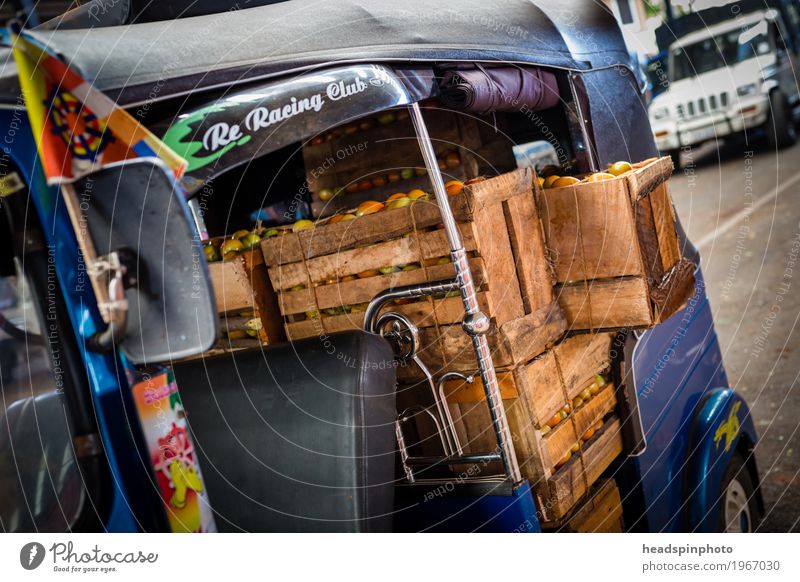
{"points": [[692, 421]]}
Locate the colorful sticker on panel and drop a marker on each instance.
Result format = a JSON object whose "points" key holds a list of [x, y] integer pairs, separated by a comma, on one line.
{"points": [[172, 453]]}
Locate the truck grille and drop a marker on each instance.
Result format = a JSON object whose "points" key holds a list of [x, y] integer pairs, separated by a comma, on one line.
{"points": [[702, 106]]}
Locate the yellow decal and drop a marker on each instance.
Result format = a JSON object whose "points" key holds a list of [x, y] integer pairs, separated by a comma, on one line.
{"points": [[729, 429], [184, 477]]}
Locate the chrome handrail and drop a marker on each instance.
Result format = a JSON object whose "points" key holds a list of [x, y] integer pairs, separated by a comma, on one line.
{"points": [[475, 322]]}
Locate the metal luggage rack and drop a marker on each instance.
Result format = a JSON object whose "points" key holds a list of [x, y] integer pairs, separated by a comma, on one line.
{"points": [[404, 336]]}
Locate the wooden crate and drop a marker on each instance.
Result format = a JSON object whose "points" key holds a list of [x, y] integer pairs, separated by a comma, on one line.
{"points": [[534, 393], [375, 151], [501, 231], [242, 291], [600, 512], [615, 250]]}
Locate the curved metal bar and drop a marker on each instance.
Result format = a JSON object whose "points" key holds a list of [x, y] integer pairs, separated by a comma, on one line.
{"points": [[476, 324], [405, 292]]}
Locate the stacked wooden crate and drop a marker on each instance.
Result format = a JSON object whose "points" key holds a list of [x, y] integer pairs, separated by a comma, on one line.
{"points": [[324, 276], [379, 155], [245, 301], [560, 409], [615, 250]]}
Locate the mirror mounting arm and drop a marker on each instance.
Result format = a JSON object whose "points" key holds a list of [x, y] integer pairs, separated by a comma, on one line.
{"points": [[113, 267]]}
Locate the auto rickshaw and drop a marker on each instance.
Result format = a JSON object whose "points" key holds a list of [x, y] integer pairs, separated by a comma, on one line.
{"points": [[299, 436]]}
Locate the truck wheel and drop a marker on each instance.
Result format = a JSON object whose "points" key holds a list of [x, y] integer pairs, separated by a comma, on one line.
{"points": [[780, 125], [739, 512]]}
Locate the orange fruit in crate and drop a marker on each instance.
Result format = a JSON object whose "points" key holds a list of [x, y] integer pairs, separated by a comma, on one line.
{"points": [[540, 180], [395, 196], [565, 181], [340, 218], [549, 180], [378, 182], [302, 225], [563, 461], [351, 188], [619, 168], [418, 194], [399, 203], [369, 273], [553, 422], [452, 160], [364, 185], [393, 176], [600, 176], [454, 187], [588, 434], [369, 207], [420, 171]]}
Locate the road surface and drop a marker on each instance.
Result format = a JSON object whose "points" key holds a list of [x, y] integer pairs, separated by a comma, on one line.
{"points": [[741, 207]]}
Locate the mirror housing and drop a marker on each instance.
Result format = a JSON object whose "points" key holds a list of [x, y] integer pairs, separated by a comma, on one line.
{"points": [[136, 211]]}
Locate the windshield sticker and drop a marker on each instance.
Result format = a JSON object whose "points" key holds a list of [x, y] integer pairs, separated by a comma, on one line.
{"points": [[206, 135]]}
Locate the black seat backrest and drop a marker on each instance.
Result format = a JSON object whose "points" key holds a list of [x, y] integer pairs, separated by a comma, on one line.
{"points": [[296, 437]]}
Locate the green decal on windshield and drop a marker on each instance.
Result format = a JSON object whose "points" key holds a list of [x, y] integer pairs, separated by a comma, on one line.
{"points": [[186, 140]]}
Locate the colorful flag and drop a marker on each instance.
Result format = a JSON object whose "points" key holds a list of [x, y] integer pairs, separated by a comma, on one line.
{"points": [[78, 129]]}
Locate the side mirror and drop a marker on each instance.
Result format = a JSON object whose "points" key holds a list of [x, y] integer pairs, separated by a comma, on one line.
{"points": [[137, 218]]}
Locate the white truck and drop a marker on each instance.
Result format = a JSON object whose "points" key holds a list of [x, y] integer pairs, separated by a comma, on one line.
{"points": [[737, 76]]}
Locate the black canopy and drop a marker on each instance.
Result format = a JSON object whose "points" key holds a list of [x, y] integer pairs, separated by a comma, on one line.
{"points": [[139, 62]]}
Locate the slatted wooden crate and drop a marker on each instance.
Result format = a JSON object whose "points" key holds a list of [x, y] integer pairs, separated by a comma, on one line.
{"points": [[600, 512], [313, 270], [615, 249], [368, 151], [533, 394], [242, 291]]}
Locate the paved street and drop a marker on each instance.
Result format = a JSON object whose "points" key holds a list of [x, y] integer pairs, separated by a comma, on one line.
{"points": [[742, 210]]}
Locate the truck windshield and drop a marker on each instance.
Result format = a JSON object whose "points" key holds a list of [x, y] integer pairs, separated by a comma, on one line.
{"points": [[720, 51]]}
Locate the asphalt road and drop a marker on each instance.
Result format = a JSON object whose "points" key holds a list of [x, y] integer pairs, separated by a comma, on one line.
{"points": [[741, 206]]}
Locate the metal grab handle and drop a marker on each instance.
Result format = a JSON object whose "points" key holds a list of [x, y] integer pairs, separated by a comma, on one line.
{"points": [[410, 335], [475, 323]]}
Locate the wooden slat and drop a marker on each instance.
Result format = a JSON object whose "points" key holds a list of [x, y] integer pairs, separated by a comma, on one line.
{"points": [[364, 290], [647, 239], [400, 251], [333, 238], [540, 389], [647, 177], [495, 248], [606, 303], [601, 512], [559, 440], [426, 313], [530, 254], [232, 285], [569, 484], [528, 336], [579, 358], [664, 217], [501, 188]]}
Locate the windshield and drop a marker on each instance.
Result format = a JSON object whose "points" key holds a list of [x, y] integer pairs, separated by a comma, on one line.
{"points": [[720, 51]]}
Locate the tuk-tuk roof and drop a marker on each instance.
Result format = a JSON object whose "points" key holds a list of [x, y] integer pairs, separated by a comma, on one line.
{"points": [[135, 63]]}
